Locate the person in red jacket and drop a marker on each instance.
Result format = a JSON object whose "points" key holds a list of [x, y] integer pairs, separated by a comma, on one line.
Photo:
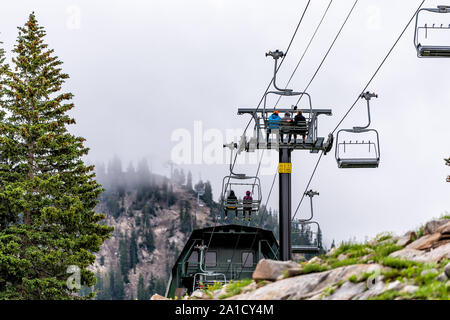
{"points": [[248, 201]]}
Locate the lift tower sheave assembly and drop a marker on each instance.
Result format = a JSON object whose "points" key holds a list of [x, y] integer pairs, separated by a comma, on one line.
{"points": [[272, 132]]}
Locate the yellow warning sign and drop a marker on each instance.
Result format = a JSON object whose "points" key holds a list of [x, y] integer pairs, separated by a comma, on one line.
{"points": [[285, 168]]}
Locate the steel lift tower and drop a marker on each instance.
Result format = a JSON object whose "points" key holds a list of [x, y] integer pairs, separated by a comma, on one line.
{"points": [[269, 134]]}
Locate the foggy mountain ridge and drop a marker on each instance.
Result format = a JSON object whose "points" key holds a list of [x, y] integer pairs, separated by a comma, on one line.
{"points": [[148, 212], [153, 217]]}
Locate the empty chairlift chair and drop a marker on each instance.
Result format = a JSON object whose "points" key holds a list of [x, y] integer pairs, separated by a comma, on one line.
{"points": [[371, 159], [206, 278], [306, 240], [432, 51]]}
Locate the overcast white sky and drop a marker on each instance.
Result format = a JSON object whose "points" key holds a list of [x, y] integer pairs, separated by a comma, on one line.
{"points": [[140, 70]]}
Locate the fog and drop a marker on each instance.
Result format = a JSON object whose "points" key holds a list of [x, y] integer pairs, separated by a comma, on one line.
{"points": [[145, 71]]}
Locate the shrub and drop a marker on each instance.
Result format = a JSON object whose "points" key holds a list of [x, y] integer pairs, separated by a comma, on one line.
{"points": [[235, 287]]}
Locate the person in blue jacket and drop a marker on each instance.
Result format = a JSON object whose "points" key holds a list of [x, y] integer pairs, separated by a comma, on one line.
{"points": [[273, 123]]}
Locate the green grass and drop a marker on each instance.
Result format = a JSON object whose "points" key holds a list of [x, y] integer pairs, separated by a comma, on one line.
{"points": [[388, 295], [211, 288], [385, 250], [234, 288], [397, 269], [383, 237], [435, 290], [345, 262], [215, 286], [421, 232], [328, 292], [313, 267], [340, 283], [397, 263]]}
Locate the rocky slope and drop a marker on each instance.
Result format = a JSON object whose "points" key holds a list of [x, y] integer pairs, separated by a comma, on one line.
{"points": [[414, 266], [164, 224]]}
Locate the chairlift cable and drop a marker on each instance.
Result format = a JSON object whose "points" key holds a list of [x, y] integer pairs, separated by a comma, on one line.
{"points": [[307, 186], [259, 104], [276, 72], [379, 68], [306, 50], [357, 99], [328, 52]]}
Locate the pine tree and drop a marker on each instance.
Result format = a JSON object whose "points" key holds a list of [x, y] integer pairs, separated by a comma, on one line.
{"points": [[130, 176], [112, 284], [149, 240], [124, 257], [48, 194], [182, 177], [99, 288], [116, 178], [208, 196], [143, 173], [189, 181], [119, 288], [133, 251], [185, 217], [141, 290]]}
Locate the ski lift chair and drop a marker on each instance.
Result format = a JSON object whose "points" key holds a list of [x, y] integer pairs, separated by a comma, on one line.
{"points": [[370, 161], [312, 248], [206, 277], [242, 183], [431, 51], [305, 241]]}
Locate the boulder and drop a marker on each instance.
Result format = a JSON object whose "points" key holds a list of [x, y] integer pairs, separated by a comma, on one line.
{"points": [[293, 272], [158, 297], [407, 254], [435, 255], [251, 287], [375, 290], [272, 269], [198, 294], [428, 271], [331, 252], [220, 292], [409, 289], [407, 238], [444, 229], [447, 270], [432, 226], [342, 257], [396, 286], [315, 260], [368, 257], [442, 277], [305, 286], [347, 291], [392, 239], [425, 242]]}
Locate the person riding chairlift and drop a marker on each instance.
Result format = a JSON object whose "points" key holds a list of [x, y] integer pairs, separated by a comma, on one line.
{"points": [[300, 121], [287, 121], [248, 201], [273, 123], [231, 204]]}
